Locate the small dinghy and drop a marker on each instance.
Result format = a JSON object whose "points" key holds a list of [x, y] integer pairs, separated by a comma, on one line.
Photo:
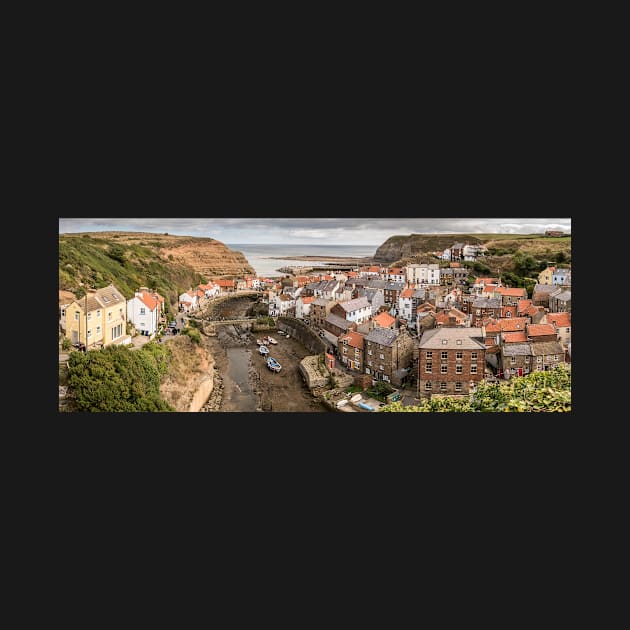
{"points": [[259, 342], [272, 341], [263, 350], [273, 365]]}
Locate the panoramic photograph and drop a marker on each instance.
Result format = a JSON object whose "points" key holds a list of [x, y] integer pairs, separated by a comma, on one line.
{"points": [[332, 315]]}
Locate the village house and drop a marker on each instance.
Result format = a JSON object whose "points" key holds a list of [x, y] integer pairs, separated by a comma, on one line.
{"points": [[451, 318], [350, 349], [546, 275], [369, 271], [65, 299], [188, 301], [516, 359], [375, 298], [98, 318], [225, 286], [457, 251], [481, 308], [210, 290], [425, 318], [561, 277], [283, 305], [446, 254], [337, 326], [423, 274], [562, 324], [395, 274], [388, 354], [384, 320], [541, 293], [405, 306], [560, 301], [480, 283], [472, 252], [541, 332], [391, 293], [510, 296], [320, 309], [451, 361], [144, 311], [546, 355], [303, 306], [358, 310]]}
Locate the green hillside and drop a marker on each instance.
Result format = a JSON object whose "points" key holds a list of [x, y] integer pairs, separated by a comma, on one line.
{"points": [[97, 262]]}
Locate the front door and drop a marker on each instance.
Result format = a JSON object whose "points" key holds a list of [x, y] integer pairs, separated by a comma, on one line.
{"points": [[75, 336]]}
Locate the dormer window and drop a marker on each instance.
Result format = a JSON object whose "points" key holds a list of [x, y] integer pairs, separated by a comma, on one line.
{"points": [[459, 342], [444, 342]]}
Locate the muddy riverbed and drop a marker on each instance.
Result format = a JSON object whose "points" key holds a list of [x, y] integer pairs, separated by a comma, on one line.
{"points": [[245, 383]]}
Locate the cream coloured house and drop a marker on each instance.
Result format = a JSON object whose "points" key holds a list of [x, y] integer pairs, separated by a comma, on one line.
{"points": [[101, 314], [546, 276]]}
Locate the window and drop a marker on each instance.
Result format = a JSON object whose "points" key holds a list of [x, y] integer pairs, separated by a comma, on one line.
{"points": [[76, 316], [508, 314], [428, 368], [459, 355], [356, 351], [443, 369], [459, 342], [444, 342], [109, 316], [105, 299], [381, 368], [428, 385], [442, 387], [473, 369], [548, 357], [89, 316], [382, 356], [98, 330], [538, 359], [370, 352], [429, 354], [473, 356], [143, 311], [459, 369], [555, 357], [568, 330], [89, 333], [345, 350], [367, 370], [458, 386], [369, 362], [444, 356], [512, 360]]}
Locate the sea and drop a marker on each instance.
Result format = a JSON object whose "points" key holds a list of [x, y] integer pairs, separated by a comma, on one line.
{"points": [[259, 256]]}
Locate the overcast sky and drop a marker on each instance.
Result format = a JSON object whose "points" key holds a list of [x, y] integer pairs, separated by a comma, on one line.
{"points": [[301, 231]]}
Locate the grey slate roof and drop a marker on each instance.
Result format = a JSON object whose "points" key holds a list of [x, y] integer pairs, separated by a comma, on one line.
{"points": [[353, 305], [517, 349], [544, 288], [420, 294], [376, 284], [547, 347], [382, 336], [340, 322], [320, 301], [487, 303], [394, 286], [470, 339], [563, 296]]}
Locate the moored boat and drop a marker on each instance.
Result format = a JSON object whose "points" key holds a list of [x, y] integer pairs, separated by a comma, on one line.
{"points": [[272, 341], [273, 365], [263, 350], [259, 342]]}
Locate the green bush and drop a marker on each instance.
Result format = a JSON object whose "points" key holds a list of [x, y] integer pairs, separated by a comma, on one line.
{"points": [[116, 378], [66, 344], [193, 333], [536, 392], [380, 391]]}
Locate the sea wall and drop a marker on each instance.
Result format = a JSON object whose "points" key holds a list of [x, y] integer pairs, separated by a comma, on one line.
{"points": [[298, 329]]}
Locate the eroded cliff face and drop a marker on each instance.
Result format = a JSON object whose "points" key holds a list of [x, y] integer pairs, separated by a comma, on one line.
{"points": [[414, 246], [209, 257], [189, 381]]}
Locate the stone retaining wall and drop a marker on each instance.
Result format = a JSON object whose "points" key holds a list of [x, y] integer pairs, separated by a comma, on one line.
{"points": [[298, 329]]}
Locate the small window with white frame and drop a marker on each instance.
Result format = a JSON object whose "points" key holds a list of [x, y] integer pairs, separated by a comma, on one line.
{"points": [[444, 355], [459, 369], [473, 368], [473, 356], [458, 386], [442, 386], [443, 369], [459, 355], [429, 354], [428, 385], [428, 368], [512, 360]]}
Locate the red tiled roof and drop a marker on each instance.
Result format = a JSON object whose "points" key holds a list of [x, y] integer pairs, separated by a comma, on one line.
{"points": [[562, 320], [225, 283], [508, 309], [489, 289], [513, 324], [148, 300], [492, 325], [352, 274], [354, 339], [522, 305], [487, 281], [384, 320], [532, 310], [407, 293], [515, 337], [537, 330], [455, 265], [329, 278], [308, 300], [515, 291]]}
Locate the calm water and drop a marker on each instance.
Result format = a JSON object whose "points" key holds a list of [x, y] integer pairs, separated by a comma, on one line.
{"points": [[258, 255]]}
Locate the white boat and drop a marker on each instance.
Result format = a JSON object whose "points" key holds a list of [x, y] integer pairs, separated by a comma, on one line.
{"points": [[356, 398], [273, 365], [263, 350], [342, 403], [259, 342], [272, 341]]}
